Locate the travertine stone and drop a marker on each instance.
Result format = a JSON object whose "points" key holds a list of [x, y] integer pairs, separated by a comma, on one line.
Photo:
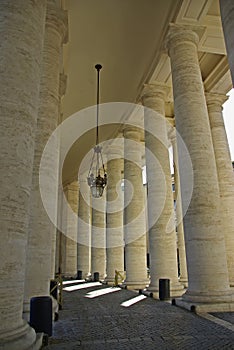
{"points": [[84, 234], [179, 213], [227, 17], [59, 233], [134, 230], [114, 216], [205, 246], [225, 174], [41, 232], [98, 236], [56, 246], [70, 258], [162, 235], [22, 33]]}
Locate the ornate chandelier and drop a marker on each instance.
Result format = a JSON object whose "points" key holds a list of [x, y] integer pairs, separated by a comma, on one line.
{"points": [[97, 182]]}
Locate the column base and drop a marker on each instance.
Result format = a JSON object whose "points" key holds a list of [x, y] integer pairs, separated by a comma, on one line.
{"points": [[130, 285], [176, 290], [23, 338], [204, 307], [184, 281], [208, 297]]}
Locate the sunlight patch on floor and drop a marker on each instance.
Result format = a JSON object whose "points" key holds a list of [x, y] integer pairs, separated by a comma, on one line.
{"points": [[72, 282], [98, 293], [133, 300], [81, 286]]}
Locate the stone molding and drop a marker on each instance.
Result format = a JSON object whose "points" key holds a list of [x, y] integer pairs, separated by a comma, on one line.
{"points": [[215, 101]]}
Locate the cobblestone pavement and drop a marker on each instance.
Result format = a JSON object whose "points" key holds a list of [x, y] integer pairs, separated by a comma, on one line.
{"points": [[101, 323]]}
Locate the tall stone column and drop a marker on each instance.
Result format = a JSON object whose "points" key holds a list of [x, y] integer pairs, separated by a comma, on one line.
{"points": [[84, 232], [70, 258], [162, 234], [22, 34], [56, 245], [59, 233], [225, 174], [227, 17], [205, 247], [98, 236], [114, 216], [41, 230], [179, 213], [134, 215]]}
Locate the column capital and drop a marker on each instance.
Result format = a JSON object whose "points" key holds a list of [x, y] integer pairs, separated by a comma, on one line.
{"points": [[57, 18], [178, 34], [133, 133], [215, 101], [155, 90]]}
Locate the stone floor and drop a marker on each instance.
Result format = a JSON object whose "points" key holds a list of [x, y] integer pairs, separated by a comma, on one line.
{"points": [[102, 323]]}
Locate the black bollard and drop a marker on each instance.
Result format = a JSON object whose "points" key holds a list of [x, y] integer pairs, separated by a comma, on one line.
{"points": [[96, 276], [79, 275], [41, 314], [164, 289]]}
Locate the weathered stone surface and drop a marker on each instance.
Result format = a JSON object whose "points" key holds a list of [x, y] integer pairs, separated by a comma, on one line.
{"points": [[84, 232], [98, 236], [225, 175], [70, 240], [205, 246], [162, 235], [179, 213], [22, 32], [41, 232], [114, 216], [134, 221]]}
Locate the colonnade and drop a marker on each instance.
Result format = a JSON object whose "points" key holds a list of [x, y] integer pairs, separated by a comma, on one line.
{"points": [[29, 112]]}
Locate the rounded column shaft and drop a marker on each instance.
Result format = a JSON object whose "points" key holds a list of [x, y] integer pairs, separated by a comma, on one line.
{"points": [[205, 247], [134, 221], [225, 175], [162, 235], [22, 33], [84, 236], [114, 218], [179, 214], [70, 249], [98, 237], [41, 234]]}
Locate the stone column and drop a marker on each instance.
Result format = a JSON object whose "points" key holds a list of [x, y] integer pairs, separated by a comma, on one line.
{"points": [[134, 214], [22, 34], [179, 213], [59, 233], [162, 235], [225, 175], [56, 246], [41, 230], [98, 236], [114, 210], [205, 246], [70, 258], [84, 232], [227, 17]]}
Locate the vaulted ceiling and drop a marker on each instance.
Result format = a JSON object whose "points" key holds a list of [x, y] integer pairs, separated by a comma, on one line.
{"points": [[127, 38]]}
